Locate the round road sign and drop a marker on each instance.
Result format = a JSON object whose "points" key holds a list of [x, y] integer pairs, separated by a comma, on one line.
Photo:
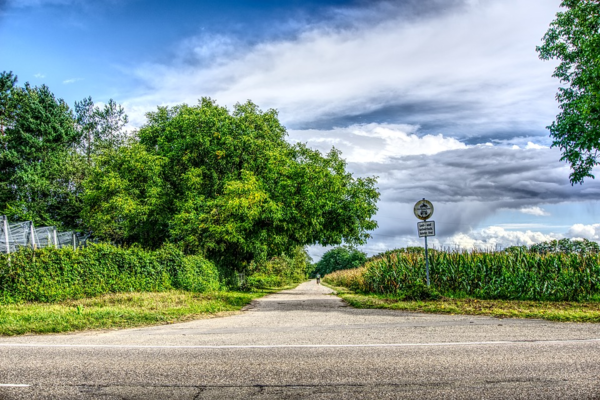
{"points": [[423, 209]]}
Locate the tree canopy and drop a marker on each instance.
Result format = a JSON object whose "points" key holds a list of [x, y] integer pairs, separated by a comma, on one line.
{"points": [[574, 39], [38, 170], [46, 151], [227, 185]]}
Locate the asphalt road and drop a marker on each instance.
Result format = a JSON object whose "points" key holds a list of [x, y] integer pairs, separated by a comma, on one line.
{"points": [[306, 343]]}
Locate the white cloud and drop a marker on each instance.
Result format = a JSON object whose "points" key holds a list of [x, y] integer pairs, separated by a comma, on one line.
{"points": [[534, 146], [590, 232], [534, 210], [495, 237], [39, 76], [72, 80], [468, 66], [375, 142]]}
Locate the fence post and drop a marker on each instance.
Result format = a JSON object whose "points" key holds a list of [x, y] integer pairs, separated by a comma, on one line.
{"points": [[32, 233], [5, 229], [55, 238], [74, 239]]}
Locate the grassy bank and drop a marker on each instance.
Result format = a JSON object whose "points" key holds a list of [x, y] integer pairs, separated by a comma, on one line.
{"points": [[548, 310], [120, 310]]}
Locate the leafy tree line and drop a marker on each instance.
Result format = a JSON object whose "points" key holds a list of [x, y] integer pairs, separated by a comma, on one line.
{"points": [[221, 183], [43, 149]]}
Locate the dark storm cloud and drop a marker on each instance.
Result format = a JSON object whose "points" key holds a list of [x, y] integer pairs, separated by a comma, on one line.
{"points": [[430, 115], [488, 174], [464, 119], [469, 185]]}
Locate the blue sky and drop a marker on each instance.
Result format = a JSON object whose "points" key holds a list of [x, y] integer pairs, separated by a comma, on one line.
{"points": [[443, 99]]}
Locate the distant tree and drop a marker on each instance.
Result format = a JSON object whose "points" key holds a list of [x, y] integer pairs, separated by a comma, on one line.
{"points": [[342, 257], [516, 249], [101, 128], [574, 39], [230, 186], [567, 246]]}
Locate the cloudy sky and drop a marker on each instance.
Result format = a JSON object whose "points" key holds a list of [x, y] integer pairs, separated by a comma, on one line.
{"points": [[441, 99]]}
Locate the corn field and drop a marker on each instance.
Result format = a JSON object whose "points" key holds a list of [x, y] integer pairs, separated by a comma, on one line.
{"points": [[496, 275]]}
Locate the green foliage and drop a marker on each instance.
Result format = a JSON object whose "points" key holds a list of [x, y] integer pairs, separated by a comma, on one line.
{"points": [[419, 291], [101, 128], [503, 275], [281, 270], [352, 279], [516, 249], [39, 178], [224, 185], [410, 250], [550, 310], [343, 257], [125, 197], [574, 39], [118, 310], [46, 150], [228, 186], [566, 246], [50, 275]]}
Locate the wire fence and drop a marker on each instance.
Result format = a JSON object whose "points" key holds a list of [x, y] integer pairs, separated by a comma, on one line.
{"points": [[25, 234]]}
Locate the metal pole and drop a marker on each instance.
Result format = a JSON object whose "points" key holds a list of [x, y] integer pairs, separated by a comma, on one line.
{"points": [[32, 233], [426, 261], [5, 229], [74, 238]]}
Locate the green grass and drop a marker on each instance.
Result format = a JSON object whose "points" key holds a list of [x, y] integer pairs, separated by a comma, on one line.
{"points": [[548, 310], [120, 310]]}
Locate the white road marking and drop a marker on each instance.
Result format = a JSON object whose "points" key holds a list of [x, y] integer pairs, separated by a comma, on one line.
{"points": [[12, 385], [286, 346]]}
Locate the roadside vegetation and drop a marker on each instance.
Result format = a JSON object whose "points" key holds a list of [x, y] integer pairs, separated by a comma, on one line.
{"points": [[121, 310], [198, 211], [104, 286], [555, 280], [548, 310]]}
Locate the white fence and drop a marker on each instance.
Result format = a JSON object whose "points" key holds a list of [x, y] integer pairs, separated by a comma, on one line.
{"points": [[24, 234]]}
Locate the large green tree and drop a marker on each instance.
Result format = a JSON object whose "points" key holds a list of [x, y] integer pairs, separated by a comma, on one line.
{"points": [[38, 169], [230, 186], [574, 39]]}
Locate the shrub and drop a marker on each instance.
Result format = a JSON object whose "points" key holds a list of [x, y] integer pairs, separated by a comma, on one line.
{"points": [[50, 275]]}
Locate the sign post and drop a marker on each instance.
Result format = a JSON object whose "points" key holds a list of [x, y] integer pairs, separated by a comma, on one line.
{"points": [[423, 211]]}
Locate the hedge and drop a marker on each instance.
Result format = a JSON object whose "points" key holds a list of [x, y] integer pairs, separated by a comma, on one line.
{"points": [[50, 275]]}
